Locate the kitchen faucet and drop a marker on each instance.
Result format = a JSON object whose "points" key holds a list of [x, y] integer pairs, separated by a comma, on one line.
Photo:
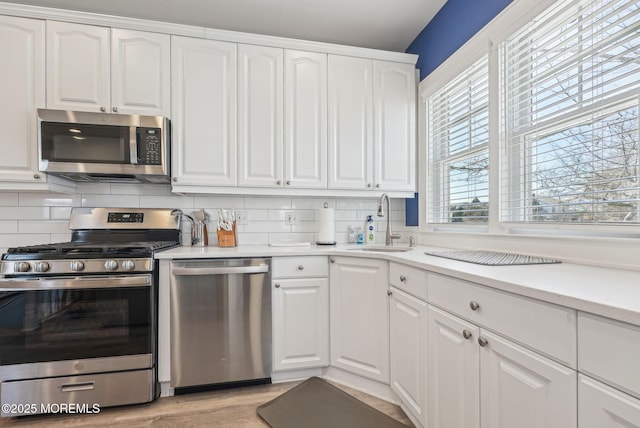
{"points": [[389, 236]]}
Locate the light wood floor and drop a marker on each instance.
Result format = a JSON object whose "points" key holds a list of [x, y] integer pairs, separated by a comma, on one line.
{"points": [[226, 408]]}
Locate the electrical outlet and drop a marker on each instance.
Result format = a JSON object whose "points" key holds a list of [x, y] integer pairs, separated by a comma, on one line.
{"points": [[290, 218], [242, 217]]}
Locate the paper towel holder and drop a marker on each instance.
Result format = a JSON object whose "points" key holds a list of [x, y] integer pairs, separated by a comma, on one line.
{"points": [[326, 205]]}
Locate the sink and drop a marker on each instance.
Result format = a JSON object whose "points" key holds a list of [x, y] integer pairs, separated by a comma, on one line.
{"points": [[383, 249]]}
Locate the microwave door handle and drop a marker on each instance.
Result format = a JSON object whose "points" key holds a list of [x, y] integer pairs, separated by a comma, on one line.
{"points": [[133, 145]]}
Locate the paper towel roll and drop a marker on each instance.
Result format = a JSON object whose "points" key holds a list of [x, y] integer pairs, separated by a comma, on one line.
{"points": [[327, 233]]}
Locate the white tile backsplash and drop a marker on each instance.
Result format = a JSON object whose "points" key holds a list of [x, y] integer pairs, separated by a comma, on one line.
{"points": [[37, 218]]}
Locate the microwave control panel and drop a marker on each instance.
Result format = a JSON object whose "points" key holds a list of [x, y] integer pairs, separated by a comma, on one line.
{"points": [[149, 146]]}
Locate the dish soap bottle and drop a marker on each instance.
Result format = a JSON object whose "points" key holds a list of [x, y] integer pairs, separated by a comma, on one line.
{"points": [[370, 236], [359, 236]]}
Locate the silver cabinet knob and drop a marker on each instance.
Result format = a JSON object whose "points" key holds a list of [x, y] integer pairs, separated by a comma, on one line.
{"points": [[77, 265], [277, 285], [36, 176], [279, 182], [332, 260], [175, 179], [288, 183], [474, 305], [482, 341], [102, 109], [403, 278], [111, 265], [466, 334], [115, 109], [389, 292], [369, 185], [300, 267], [377, 186]]}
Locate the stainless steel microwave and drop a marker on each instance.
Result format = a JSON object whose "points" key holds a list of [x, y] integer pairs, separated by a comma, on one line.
{"points": [[83, 146]]}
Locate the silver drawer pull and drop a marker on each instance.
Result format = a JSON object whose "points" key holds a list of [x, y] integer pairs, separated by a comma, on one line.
{"points": [[403, 278], [72, 387], [466, 334], [474, 305], [482, 341], [300, 267]]}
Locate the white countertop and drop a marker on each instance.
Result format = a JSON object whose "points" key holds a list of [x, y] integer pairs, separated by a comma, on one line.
{"points": [[613, 293]]}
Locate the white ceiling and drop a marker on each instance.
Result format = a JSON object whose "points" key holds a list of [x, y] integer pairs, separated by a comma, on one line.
{"points": [[379, 24]]}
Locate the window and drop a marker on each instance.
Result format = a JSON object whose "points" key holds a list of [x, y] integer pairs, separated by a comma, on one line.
{"points": [[571, 91], [458, 153]]}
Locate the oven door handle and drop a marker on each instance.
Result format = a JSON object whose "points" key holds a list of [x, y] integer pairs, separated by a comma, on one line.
{"points": [[63, 283]]}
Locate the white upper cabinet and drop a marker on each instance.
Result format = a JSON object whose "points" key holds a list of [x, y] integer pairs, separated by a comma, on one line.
{"points": [[350, 123], [372, 124], [204, 120], [260, 111], [394, 109], [305, 119], [91, 68], [23, 91], [140, 72], [78, 74]]}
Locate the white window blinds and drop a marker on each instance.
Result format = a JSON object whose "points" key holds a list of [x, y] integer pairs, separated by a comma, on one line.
{"points": [[458, 135], [571, 82]]}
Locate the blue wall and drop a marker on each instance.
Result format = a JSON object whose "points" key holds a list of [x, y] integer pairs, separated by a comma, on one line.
{"points": [[453, 25]]}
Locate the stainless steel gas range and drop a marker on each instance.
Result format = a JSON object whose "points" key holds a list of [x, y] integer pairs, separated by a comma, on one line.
{"points": [[78, 319]]}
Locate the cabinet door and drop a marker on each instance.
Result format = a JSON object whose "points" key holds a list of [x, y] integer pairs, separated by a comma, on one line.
{"points": [[140, 67], [78, 75], [300, 323], [394, 106], [360, 316], [260, 110], [22, 88], [408, 351], [453, 371], [305, 144], [204, 106], [350, 123], [520, 388], [601, 406]]}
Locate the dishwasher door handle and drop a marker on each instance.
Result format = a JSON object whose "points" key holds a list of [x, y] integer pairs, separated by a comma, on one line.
{"points": [[223, 270]]}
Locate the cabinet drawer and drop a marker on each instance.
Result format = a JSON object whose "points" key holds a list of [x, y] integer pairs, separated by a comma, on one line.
{"points": [[409, 279], [300, 266], [107, 389], [609, 350], [547, 328]]}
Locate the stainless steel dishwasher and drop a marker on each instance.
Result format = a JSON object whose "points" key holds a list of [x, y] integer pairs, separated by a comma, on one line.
{"points": [[220, 321]]}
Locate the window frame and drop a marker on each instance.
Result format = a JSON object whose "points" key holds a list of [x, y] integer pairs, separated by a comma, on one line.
{"points": [[487, 41]]}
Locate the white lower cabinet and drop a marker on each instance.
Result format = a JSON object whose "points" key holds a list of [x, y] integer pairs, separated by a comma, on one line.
{"points": [[453, 371], [300, 308], [408, 352], [300, 323], [480, 378], [520, 388], [600, 406], [360, 316]]}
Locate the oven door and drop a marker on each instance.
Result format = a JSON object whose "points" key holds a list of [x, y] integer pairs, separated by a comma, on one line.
{"points": [[68, 326]]}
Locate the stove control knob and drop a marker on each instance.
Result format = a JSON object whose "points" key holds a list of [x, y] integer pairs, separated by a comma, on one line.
{"points": [[77, 266], [41, 267], [111, 265], [128, 265], [22, 267]]}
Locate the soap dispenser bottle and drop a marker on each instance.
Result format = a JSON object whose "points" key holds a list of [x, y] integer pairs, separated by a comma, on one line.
{"points": [[370, 234]]}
